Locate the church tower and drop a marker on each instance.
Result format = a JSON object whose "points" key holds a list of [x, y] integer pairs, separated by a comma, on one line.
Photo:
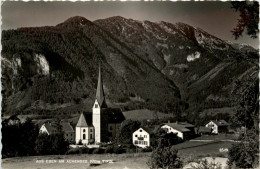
{"points": [[99, 119]]}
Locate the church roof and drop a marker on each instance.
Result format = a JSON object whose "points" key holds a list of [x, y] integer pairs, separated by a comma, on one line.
{"points": [[85, 120], [115, 115], [100, 96]]}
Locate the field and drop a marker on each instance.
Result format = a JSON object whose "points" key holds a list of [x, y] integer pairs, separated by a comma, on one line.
{"points": [[188, 151]]}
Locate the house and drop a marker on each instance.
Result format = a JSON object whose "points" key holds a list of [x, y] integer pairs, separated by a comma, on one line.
{"points": [[69, 133], [102, 124], [142, 137], [220, 126], [204, 130], [50, 128], [183, 130]]}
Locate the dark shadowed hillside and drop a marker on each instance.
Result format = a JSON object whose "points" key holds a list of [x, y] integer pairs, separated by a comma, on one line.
{"points": [[162, 66]]}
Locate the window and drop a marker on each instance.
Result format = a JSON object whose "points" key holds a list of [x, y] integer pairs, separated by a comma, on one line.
{"points": [[140, 130], [67, 135], [71, 134], [96, 105], [145, 142], [90, 136], [84, 130], [84, 136], [90, 130], [111, 127], [135, 135], [145, 136], [136, 142]]}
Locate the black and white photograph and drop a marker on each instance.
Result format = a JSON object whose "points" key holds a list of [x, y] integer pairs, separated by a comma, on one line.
{"points": [[129, 84]]}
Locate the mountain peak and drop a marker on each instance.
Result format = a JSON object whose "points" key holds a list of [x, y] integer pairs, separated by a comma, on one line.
{"points": [[76, 20]]}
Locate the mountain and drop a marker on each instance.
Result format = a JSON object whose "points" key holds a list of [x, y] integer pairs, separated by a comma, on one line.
{"points": [[161, 66], [203, 66]]}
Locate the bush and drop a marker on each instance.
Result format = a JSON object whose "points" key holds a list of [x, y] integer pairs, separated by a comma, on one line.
{"points": [[51, 144], [204, 164], [109, 149], [164, 157], [241, 155], [147, 149], [124, 135], [131, 148], [84, 150], [98, 151], [73, 151], [118, 150]]}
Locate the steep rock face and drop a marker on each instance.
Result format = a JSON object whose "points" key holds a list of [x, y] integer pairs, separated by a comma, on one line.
{"points": [[59, 65], [203, 66]]}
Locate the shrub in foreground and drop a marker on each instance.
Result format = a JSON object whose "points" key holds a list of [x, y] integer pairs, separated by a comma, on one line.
{"points": [[164, 157]]}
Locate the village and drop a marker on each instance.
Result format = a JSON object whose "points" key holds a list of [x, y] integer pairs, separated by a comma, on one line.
{"points": [[99, 129], [103, 123]]}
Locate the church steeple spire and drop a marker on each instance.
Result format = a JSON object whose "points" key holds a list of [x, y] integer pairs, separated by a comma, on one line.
{"points": [[100, 96]]}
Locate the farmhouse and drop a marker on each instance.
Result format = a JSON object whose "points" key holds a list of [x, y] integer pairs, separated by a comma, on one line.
{"points": [[220, 126], [143, 137], [202, 130], [183, 130], [102, 124], [50, 128]]}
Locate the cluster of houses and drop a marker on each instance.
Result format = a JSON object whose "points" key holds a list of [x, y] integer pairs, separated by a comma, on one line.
{"points": [[102, 124], [142, 137]]}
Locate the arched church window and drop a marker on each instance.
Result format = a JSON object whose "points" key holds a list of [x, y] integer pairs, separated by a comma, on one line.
{"points": [[84, 136]]}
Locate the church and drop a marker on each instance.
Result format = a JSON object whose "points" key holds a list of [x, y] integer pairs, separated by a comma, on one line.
{"points": [[102, 124]]}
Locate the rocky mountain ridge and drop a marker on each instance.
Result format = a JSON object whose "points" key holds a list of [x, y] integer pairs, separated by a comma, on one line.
{"points": [[162, 66]]}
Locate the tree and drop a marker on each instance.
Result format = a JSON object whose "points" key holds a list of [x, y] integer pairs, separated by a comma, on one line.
{"points": [[126, 130], [164, 157], [204, 164], [164, 139], [19, 139], [246, 98], [29, 134], [249, 11], [51, 144]]}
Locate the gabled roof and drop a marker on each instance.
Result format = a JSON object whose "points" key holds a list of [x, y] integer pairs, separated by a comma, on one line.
{"points": [[51, 129], [220, 122], [186, 124], [115, 115], [85, 120], [179, 127], [66, 127], [149, 130], [100, 96]]}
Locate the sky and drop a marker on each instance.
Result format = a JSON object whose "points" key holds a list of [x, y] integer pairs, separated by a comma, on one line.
{"points": [[216, 18]]}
